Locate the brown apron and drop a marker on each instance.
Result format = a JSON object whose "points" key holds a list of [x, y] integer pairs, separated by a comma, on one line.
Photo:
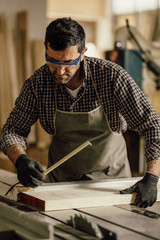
{"points": [[107, 157]]}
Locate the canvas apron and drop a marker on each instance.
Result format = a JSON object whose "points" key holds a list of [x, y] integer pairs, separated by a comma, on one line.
{"points": [[107, 157]]}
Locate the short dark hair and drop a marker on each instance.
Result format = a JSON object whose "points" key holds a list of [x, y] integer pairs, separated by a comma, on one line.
{"points": [[65, 32]]}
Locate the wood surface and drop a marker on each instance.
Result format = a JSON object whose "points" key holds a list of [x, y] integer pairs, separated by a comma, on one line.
{"points": [[24, 60], [8, 74], [125, 220], [80, 194], [70, 195], [23, 47]]}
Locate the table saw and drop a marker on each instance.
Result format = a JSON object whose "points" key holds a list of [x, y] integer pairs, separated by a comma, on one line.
{"points": [[75, 210]]}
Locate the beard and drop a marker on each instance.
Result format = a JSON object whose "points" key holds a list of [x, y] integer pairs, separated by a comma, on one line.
{"points": [[65, 78], [62, 80]]}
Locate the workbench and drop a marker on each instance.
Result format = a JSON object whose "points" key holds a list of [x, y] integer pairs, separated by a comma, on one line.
{"points": [[114, 219]]}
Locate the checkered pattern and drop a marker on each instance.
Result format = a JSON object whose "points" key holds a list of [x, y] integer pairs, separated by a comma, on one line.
{"points": [[122, 100]]}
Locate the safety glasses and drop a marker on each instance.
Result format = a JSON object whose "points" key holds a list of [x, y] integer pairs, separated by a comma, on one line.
{"points": [[57, 64]]}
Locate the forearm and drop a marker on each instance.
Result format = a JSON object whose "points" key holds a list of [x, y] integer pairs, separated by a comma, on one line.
{"points": [[14, 151], [153, 166]]}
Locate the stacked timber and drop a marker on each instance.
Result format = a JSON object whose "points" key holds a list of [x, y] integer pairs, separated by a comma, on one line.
{"points": [[15, 63], [23, 48], [18, 60], [8, 73]]}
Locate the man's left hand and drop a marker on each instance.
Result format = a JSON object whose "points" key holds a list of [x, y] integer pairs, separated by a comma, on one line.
{"points": [[146, 190]]}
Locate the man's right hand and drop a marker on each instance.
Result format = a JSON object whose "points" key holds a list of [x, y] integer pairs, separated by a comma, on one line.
{"points": [[30, 172]]}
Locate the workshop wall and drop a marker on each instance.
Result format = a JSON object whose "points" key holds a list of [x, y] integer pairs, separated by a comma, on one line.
{"points": [[94, 15], [37, 15]]}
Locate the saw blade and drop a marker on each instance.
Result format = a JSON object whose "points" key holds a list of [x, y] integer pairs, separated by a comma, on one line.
{"points": [[86, 225], [81, 223]]}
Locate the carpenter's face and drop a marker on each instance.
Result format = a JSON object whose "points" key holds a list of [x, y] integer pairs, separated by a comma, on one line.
{"points": [[63, 64]]}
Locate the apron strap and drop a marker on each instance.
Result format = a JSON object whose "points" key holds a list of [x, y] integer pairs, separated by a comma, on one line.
{"points": [[100, 102], [55, 99]]}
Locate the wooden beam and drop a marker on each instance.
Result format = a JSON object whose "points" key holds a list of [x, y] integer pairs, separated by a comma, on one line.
{"points": [[80, 194], [8, 74], [69, 195]]}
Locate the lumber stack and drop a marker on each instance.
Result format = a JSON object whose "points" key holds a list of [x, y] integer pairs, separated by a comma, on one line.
{"points": [[18, 60], [23, 48], [8, 73], [15, 63]]}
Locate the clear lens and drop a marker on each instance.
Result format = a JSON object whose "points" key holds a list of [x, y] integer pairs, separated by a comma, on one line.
{"points": [[57, 66]]}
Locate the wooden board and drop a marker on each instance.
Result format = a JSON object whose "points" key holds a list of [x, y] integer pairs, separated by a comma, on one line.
{"points": [[119, 218], [23, 47], [80, 194], [69, 195], [8, 74]]}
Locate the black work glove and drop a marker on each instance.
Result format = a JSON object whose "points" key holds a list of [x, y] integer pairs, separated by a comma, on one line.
{"points": [[29, 171], [146, 190]]}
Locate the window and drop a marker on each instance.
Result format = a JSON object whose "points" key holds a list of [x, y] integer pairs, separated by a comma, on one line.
{"points": [[132, 6]]}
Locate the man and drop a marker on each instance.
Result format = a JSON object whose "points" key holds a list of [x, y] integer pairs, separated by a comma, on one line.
{"points": [[79, 98]]}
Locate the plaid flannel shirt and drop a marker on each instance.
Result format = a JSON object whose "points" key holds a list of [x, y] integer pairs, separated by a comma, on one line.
{"points": [[124, 104]]}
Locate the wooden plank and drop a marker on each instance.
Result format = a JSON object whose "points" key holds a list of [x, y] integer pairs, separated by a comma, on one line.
{"points": [[23, 47], [126, 224], [68, 195], [38, 53], [80, 195], [8, 76]]}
